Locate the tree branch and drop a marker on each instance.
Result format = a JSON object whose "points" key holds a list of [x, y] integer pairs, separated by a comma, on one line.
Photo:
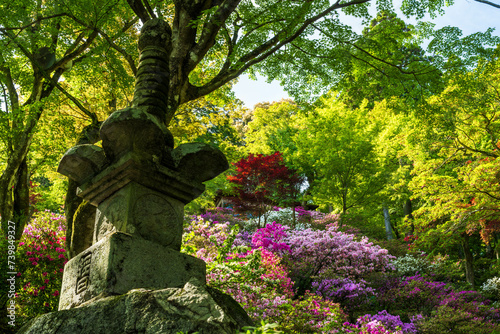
{"points": [[488, 3], [486, 193], [125, 54], [11, 88], [38, 20], [72, 55], [111, 42], [488, 154], [209, 32], [138, 7], [53, 81], [267, 49], [149, 9], [366, 52]]}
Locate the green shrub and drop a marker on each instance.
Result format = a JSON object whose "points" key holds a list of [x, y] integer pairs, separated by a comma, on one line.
{"points": [[311, 314], [450, 320]]}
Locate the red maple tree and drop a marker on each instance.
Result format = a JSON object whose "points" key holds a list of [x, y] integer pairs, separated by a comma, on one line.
{"points": [[261, 181]]}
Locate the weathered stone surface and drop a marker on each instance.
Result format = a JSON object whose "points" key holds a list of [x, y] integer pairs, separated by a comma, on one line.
{"points": [[157, 178], [152, 84], [82, 162], [131, 130], [199, 161], [82, 229], [190, 309], [155, 32], [142, 212], [120, 263]]}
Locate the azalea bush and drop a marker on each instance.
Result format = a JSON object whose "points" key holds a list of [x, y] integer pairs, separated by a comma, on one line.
{"points": [[311, 314], [474, 304], [203, 238], [412, 264], [351, 294], [330, 254], [411, 295], [272, 237], [257, 281], [254, 277], [41, 260], [334, 253], [492, 287], [420, 295], [382, 323]]}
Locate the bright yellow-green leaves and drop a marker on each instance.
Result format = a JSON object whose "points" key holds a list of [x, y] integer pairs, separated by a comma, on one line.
{"points": [[272, 127], [341, 143], [455, 155]]}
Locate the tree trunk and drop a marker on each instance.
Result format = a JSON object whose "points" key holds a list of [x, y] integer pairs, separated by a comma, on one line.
{"points": [[21, 205], [11, 176], [469, 260], [387, 220], [395, 230], [344, 210], [497, 247], [408, 213], [407, 209], [258, 213], [11, 189], [344, 204], [264, 213]]}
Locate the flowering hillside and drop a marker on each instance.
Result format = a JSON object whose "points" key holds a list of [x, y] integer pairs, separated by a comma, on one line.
{"points": [[308, 276]]}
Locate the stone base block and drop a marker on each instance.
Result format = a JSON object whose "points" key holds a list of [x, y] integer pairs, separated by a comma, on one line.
{"points": [[119, 263], [192, 308]]}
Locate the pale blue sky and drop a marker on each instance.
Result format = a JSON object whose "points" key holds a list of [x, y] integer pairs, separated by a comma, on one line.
{"points": [[470, 16]]}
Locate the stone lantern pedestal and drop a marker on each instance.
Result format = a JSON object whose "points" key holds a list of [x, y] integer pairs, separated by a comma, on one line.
{"points": [[133, 277]]}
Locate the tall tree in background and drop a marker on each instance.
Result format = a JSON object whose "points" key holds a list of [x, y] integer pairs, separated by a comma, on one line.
{"points": [[456, 164], [40, 43], [272, 128], [341, 144]]}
